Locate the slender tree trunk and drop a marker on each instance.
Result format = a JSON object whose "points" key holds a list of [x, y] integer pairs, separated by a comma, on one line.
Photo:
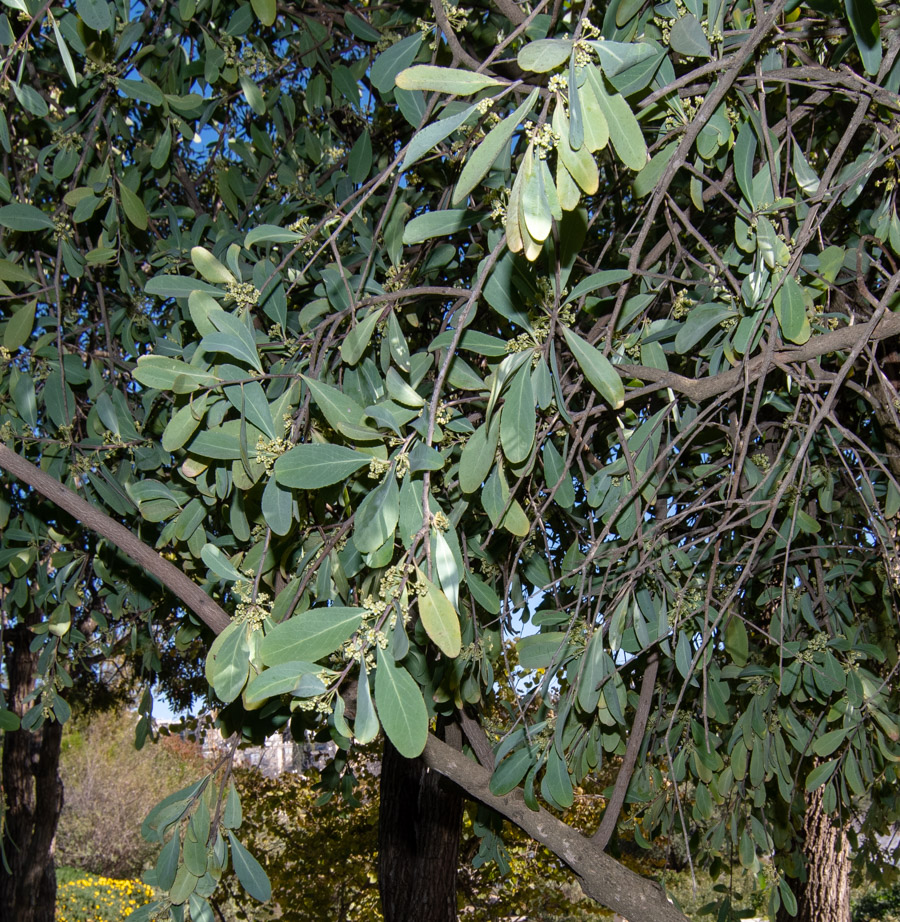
{"points": [[33, 795], [825, 894], [418, 840]]}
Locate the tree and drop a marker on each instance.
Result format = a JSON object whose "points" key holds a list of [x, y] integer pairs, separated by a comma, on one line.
{"points": [[382, 337]]}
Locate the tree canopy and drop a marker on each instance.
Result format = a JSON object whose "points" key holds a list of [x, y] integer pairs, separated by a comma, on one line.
{"points": [[429, 355]]}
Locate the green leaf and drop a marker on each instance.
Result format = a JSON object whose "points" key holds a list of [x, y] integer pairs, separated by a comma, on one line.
{"points": [[13, 272], [228, 662], [249, 871], [31, 100], [227, 442], [68, 63], [556, 785], [359, 163], [863, 17], [20, 217], [365, 726], [377, 516], [311, 635], [216, 560], [390, 62], [826, 744], [357, 340], [176, 286], [518, 419], [510, 772], [646, 180], [141, 90], [277, 507], [282, 679], [616, 57], [401, 707], [744, 155], [270, 233], [487, 152], [439, 224], [9, 720], [165, 374], [538, 651], [253, 95], [361, 29], [19, 328], [95, 14], [787, 897], [603, 279], [167, 863], [736, 641], [194, 852], [820, 774], [432, 135], [210, 267], [478, 456], [597, 369], [444, 80], [265, 10], [309, 467], [133, 207], [232, 815], [790, 309], [234, 338], [544, 55], [342, 412], [687, 37], [439, 618], [624, 130]]}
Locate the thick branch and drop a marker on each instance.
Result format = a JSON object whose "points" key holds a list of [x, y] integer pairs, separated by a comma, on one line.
{"points": [[700, 389], [209, 611], [602, 878]]}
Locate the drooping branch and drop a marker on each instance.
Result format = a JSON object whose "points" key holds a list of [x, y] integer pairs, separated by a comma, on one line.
{"points": [[207, 609], [702, 389], [602, 878], [639, 725]]}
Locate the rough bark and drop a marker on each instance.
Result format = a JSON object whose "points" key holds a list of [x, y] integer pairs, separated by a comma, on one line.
{"points": [[825, 894], [418, 841], [33, 794]]}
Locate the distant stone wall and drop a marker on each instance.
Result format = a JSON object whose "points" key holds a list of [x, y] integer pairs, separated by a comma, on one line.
{"points": [[280, 753]]}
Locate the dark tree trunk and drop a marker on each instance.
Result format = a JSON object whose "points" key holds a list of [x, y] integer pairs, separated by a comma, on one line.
{"points": [[33, 794], [418, 840], [825, 894]]}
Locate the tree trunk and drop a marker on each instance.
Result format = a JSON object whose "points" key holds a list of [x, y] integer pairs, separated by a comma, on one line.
{"points": [[825, 894], [418, 840], [33, 795]]}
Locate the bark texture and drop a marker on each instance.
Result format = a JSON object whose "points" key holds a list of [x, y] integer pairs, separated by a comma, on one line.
{"points": [[825, 894], [418, 841], [33, 794]]}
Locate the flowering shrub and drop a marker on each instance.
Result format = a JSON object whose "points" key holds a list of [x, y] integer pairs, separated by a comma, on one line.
{"points": [[89, 898]]}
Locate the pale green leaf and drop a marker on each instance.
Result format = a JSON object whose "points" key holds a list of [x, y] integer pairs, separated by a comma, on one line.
{"points": [[401, 707], [489, 149], [311, 635], [309, 467], [440, 620], [444, 80], [544, 55]]}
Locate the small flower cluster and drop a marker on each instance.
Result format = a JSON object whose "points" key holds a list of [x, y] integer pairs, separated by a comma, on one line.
{"points": [[248, 610], [243, 294], [100, 899], [269, 450], [544, 139]]}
